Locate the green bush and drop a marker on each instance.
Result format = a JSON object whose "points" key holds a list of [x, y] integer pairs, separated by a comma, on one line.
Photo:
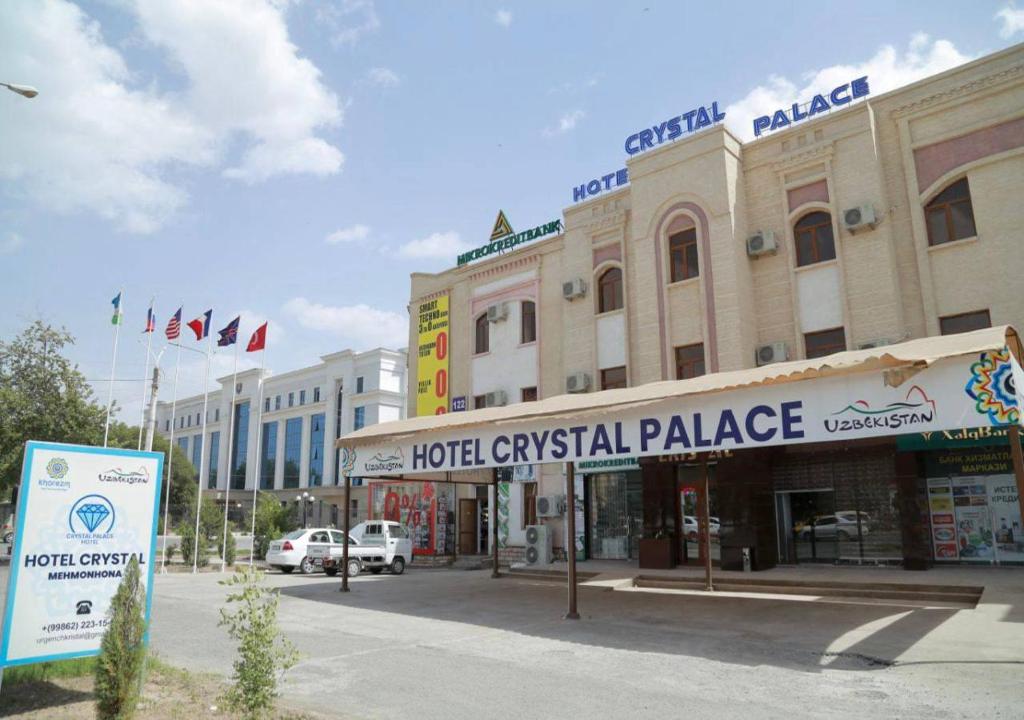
{"points": [[122, 651], [228, 553], [272, 521], [171, 550], [188, 544], [263, 654]]}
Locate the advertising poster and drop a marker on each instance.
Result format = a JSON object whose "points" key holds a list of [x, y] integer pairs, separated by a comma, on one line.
{"points": [[82, 514], [432, 357], [414, 506], [943, 519], [1006, 520]]}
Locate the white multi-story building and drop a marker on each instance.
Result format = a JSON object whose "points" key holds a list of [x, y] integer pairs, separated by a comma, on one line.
{"points": [[302, 413]]}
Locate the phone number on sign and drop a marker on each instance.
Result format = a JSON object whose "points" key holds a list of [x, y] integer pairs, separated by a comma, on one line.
{"points": [[75, 625]]}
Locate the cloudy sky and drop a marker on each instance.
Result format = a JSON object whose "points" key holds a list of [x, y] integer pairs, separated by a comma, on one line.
{"points": [[294, 160]]}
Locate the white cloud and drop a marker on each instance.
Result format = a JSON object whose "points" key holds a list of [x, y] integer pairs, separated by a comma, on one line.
{"points": [[382, 76], [1011, 21], [349, 21], [102, 138], [11, 243], [436, 246], [357, 326], [503, 17], [566, 123], [356, 233], [886, 70]]}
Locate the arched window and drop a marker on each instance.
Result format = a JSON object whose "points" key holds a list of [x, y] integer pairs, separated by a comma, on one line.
{"points": [[609, 290], [814, 241], [682, 254], [483, 341], [950, 215], [528, 322]]}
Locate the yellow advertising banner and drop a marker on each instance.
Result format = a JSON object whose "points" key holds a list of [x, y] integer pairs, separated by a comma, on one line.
{"points": [[432, 358]]}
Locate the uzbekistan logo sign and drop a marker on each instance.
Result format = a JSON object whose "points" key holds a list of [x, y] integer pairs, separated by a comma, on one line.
{"points": [[91, 516], [117, 475], [503, 237], [386, 463], [916, 409]]}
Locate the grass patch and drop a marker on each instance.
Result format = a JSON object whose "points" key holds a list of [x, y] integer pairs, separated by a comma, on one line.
{"points": [[41, 672]]}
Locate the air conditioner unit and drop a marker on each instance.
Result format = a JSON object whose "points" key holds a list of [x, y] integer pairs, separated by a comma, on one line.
{"points": [[495, 399], [761, 243], [874, 344], [538, 545], [578, 382], [772, 353], [497, 312], [574, 289], [550, 505], [859, 218]]}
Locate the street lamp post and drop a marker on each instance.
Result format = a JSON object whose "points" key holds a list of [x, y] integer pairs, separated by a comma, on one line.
{"points": [[305, 499], [23, 90]]}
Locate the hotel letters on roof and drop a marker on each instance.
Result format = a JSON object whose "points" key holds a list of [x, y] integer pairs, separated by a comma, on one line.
{"points": [[924, 385]]}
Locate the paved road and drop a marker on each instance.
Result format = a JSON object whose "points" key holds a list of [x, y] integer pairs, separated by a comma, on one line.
{"points": [[456, 644]]}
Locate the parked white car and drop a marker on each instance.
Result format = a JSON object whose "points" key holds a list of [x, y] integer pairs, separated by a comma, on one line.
{"points": [[293, 550], [691, 527], [842, 525], [375, 545]]}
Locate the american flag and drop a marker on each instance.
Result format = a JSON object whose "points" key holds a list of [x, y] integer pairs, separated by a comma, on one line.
{"points": [[173, 330]]}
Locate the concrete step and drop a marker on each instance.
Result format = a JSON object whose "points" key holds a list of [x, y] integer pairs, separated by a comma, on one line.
{"points": [[472, 562]]}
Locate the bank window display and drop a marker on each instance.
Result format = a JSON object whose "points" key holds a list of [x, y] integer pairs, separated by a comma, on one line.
{"points": [[316, 450], [950, 214], [690, 361], [528, 322], [292, 452], [482, 332], [965, 322], [241, 442], [214, 458], [425, 509], [814, 240], [825, 342], [609, 290], [613, 378], [682, 253], [268, 456], [615, 514]]}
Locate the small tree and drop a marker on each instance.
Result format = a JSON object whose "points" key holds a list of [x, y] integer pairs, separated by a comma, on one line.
{"points": [[188, 545], [263, 653], [171, 549], [271, 520], [227, 551], [122, 651]]}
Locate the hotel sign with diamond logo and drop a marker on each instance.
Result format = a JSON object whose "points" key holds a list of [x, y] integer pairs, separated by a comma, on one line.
{"points": [[83, 513]]}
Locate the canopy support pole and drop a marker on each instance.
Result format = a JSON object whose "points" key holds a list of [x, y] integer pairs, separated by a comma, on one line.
{"points": [[705, 519], [494, 524], [570, 543], [1018, 464], [346, 526]]}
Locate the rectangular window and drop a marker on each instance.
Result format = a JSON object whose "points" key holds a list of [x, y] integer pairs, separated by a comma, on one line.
{"points": [[316, 394], [183, 444], [479, 401], [316, 450], [528, 322], [682, 249], [359, 418], [277, 402], [353, 506], [167, 425], [266, 404], [825, 342], [528, 394], [268, 456], [302, 397], [359, 385], [190, 419], [689, 361], [529, 503], [197, 451], [613, 378], [241, 442], [199, 417], [964, 322], [291, 399], [214, 457], [292, 452], [216, 414]]}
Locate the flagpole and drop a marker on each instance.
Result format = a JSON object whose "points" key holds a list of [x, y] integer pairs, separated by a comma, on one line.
{"points": [[259, 456], [145, 372], [170, 460], [202, 448], [113, 364], [227, 485]]}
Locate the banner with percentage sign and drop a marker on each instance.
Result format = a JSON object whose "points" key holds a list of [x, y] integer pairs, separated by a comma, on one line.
{"points": [[432, 357]]}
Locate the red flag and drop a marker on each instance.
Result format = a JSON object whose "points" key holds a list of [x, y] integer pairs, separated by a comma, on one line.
{"points": [[258, 341]]}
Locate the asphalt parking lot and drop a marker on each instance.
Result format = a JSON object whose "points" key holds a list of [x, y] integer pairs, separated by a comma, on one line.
{"points": [[457, 644]]}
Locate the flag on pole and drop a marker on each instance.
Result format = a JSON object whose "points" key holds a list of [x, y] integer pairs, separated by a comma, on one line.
{"points": [[116, 302], [173, 331], [201, 325], [150, 321], [258, 341], [229, 335]]}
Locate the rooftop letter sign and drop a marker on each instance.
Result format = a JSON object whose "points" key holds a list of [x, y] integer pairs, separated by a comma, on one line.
{"points": [[688, 122], [503, 237], [842, 95]]}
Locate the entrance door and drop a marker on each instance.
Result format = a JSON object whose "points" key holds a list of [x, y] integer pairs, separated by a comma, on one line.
{"points": [[467, 526], [616, 515], [813, 526]]}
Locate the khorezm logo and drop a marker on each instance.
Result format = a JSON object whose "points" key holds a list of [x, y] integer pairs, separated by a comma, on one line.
{"points": [[918, 408], [56, 471], [91, 518], [117, 475], [386, 463]]}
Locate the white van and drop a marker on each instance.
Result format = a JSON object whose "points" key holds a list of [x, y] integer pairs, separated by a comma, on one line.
{"points": [[376, 545]]}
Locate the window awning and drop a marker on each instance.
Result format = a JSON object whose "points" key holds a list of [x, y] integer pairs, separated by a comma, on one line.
{"points": [[928, 384]]}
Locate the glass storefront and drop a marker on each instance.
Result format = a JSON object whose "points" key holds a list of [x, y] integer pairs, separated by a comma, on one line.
{"points": [[690, 482], [615, 514]]}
